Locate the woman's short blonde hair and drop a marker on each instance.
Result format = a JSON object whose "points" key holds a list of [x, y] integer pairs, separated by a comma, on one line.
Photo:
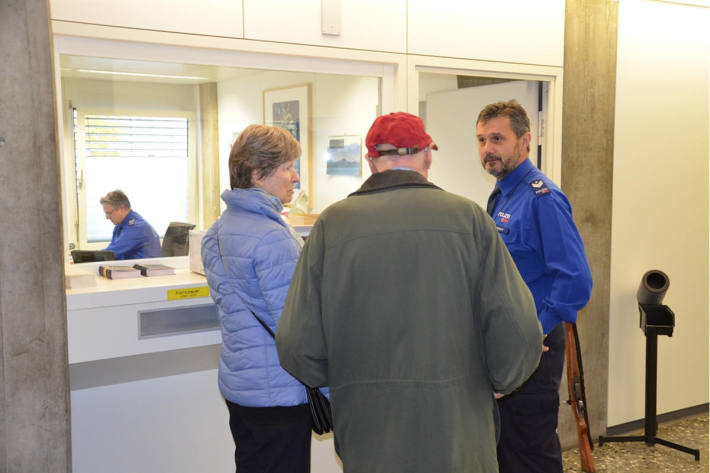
{"points": [[262, 148]]}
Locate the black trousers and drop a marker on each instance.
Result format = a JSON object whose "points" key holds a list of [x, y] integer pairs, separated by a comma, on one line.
{"points": [[271, 439], [528, 441]]}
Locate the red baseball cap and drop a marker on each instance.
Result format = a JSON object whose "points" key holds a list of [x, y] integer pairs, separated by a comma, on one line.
{"points": [[402, 130]]}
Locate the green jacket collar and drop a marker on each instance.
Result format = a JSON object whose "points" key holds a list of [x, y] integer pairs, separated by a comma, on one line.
{"points": [[393, 178]]}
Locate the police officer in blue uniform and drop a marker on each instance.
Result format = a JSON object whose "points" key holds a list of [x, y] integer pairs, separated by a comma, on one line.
{"points": [[534, 219], [133, 237]]}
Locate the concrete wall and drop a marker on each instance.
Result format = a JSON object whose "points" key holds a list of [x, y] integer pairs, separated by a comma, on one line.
{"points": [[587, 157], [34, 385]]}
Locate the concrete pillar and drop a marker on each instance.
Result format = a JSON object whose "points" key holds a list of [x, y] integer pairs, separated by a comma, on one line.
{"points": [[587, 158], [34, 385]]}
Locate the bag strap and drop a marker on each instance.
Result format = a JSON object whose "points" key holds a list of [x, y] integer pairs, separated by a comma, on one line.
{"points": [[271, 332], [263, 324]]}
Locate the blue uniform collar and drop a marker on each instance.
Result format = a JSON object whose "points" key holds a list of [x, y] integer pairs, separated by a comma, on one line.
{"points": [[510, 182], [130, 215]]}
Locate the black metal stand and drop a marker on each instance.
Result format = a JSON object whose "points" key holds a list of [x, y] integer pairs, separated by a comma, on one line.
{"points": [[655, 320]]}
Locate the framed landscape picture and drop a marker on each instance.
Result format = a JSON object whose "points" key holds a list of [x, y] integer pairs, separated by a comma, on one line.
{"points": [[344, 155], [290, 108]]}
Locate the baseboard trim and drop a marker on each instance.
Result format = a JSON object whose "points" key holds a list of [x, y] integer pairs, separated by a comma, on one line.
{"points": [[667, 417]]}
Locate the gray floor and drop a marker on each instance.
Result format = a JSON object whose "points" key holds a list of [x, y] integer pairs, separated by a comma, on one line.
{"points": [[633, 457]]}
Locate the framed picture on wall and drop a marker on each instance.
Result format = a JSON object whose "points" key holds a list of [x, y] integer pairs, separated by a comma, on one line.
{"points": [[290, 108], [344, 155]]}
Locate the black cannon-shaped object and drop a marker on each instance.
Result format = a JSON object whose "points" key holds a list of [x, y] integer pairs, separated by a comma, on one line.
{"points": [[655, 319]]}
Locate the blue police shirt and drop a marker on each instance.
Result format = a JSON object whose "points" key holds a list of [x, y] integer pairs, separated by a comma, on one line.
{"points": [[534, 218], [134, 238]]}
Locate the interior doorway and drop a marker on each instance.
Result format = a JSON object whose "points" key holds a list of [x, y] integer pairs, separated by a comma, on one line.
{"points": [[449, 105]]}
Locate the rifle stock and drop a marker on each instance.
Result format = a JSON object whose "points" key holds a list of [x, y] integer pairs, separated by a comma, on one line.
{"points": [[577, 398]]}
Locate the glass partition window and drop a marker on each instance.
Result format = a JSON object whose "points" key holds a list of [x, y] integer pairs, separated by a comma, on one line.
{"points": [[162, 133], [147, 156]]}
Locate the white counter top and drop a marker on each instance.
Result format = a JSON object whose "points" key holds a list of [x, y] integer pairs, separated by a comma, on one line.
{"points": [[111, 292], [111, 318]]}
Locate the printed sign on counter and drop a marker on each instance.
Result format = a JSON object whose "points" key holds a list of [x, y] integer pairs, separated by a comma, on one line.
{"points": [[188, 293]]}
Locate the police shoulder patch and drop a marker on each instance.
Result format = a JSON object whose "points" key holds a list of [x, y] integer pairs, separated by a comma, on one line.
{"points": [[539, 187]]}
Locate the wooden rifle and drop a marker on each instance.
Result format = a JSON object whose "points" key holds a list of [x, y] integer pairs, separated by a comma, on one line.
{"points": [[577, 397]]}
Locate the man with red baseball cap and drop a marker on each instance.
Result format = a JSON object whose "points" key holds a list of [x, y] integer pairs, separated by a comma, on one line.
{"points": [[397, 134], [406, 303]]}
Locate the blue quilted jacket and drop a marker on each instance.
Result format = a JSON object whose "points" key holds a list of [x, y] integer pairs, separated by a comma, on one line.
{"points": [[249, 256]]}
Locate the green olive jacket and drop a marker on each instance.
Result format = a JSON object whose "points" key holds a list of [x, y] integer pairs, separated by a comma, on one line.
{"points": [[407, 304]]}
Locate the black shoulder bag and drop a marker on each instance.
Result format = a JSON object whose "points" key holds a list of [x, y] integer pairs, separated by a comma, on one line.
{"points": [[317, 402]]}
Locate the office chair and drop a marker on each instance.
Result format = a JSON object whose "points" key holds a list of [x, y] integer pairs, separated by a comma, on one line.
{"points": [[176, 241]]}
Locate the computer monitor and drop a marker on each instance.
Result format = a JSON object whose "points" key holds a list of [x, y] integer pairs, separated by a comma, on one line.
{"points": [[88, 256]]}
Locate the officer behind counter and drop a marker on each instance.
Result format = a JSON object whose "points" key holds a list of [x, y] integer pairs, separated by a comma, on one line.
{"points": [[133, 237]]}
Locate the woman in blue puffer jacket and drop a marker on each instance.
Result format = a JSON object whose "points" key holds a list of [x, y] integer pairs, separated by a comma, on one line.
{"points": [[249, 255]]}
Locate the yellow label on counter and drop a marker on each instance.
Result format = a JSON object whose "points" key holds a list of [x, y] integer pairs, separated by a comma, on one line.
{"points": [[188, 293]]}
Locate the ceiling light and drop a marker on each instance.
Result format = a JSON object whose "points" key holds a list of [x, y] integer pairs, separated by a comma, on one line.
{"points": [[140, 74]]}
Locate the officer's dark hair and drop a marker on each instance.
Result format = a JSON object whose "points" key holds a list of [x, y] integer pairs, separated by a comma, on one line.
{"points": [[519, 121], [262, 148], [116, 198]]}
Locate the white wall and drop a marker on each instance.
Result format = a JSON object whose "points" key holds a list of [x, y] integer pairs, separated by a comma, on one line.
{"points": [[660, 202], [449, 28], [341, 105], [220, 18], [516, 31], [353, 21]]}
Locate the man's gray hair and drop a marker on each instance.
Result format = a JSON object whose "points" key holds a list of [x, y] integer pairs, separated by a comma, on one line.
{"points": [[116, 199]]}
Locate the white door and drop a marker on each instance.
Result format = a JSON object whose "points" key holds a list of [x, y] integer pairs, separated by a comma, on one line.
{"points": [[451, 122]]}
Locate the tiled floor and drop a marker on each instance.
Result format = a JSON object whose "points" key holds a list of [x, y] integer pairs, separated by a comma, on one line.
{"points": [[637, 457]]}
